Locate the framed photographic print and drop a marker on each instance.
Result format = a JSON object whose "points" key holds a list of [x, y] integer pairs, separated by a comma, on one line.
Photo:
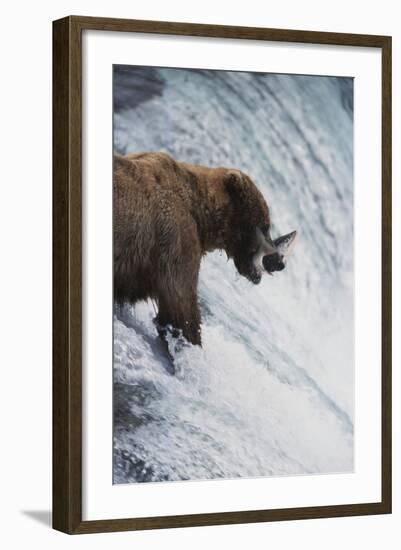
{"points": [[222, 274]]}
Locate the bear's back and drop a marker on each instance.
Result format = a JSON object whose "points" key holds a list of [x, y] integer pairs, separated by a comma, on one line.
{"points": [[151, 173]]}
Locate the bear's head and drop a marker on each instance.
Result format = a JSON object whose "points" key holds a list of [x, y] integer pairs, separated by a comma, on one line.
{"points": [[248, 240]]}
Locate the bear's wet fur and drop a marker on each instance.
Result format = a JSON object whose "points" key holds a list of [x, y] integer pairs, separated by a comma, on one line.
{"points": [[167, 215]]}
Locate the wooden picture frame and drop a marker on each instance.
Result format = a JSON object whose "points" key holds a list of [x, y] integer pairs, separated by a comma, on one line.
{"points": [[67, 274]]}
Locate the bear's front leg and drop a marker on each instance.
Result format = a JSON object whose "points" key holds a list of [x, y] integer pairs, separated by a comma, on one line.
{"points": [[191, 324], [179, 315], [177, 283]]}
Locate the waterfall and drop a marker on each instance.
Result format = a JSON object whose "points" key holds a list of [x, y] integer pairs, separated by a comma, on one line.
{"points": [[271, 391]]}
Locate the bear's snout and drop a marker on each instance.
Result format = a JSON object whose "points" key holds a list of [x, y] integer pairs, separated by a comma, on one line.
{"points": [[255, 276]]}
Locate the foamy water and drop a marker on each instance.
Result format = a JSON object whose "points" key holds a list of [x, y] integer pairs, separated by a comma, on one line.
{"points": [[271, 390]]}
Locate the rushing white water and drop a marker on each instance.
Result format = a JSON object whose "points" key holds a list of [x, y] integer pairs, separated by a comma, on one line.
{"points": [[271, 392]]}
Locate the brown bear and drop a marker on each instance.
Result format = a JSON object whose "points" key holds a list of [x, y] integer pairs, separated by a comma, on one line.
{"points": [[167, 215]]}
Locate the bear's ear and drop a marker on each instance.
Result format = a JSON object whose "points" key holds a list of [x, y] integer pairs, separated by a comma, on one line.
{"points": [[235, 185]]}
